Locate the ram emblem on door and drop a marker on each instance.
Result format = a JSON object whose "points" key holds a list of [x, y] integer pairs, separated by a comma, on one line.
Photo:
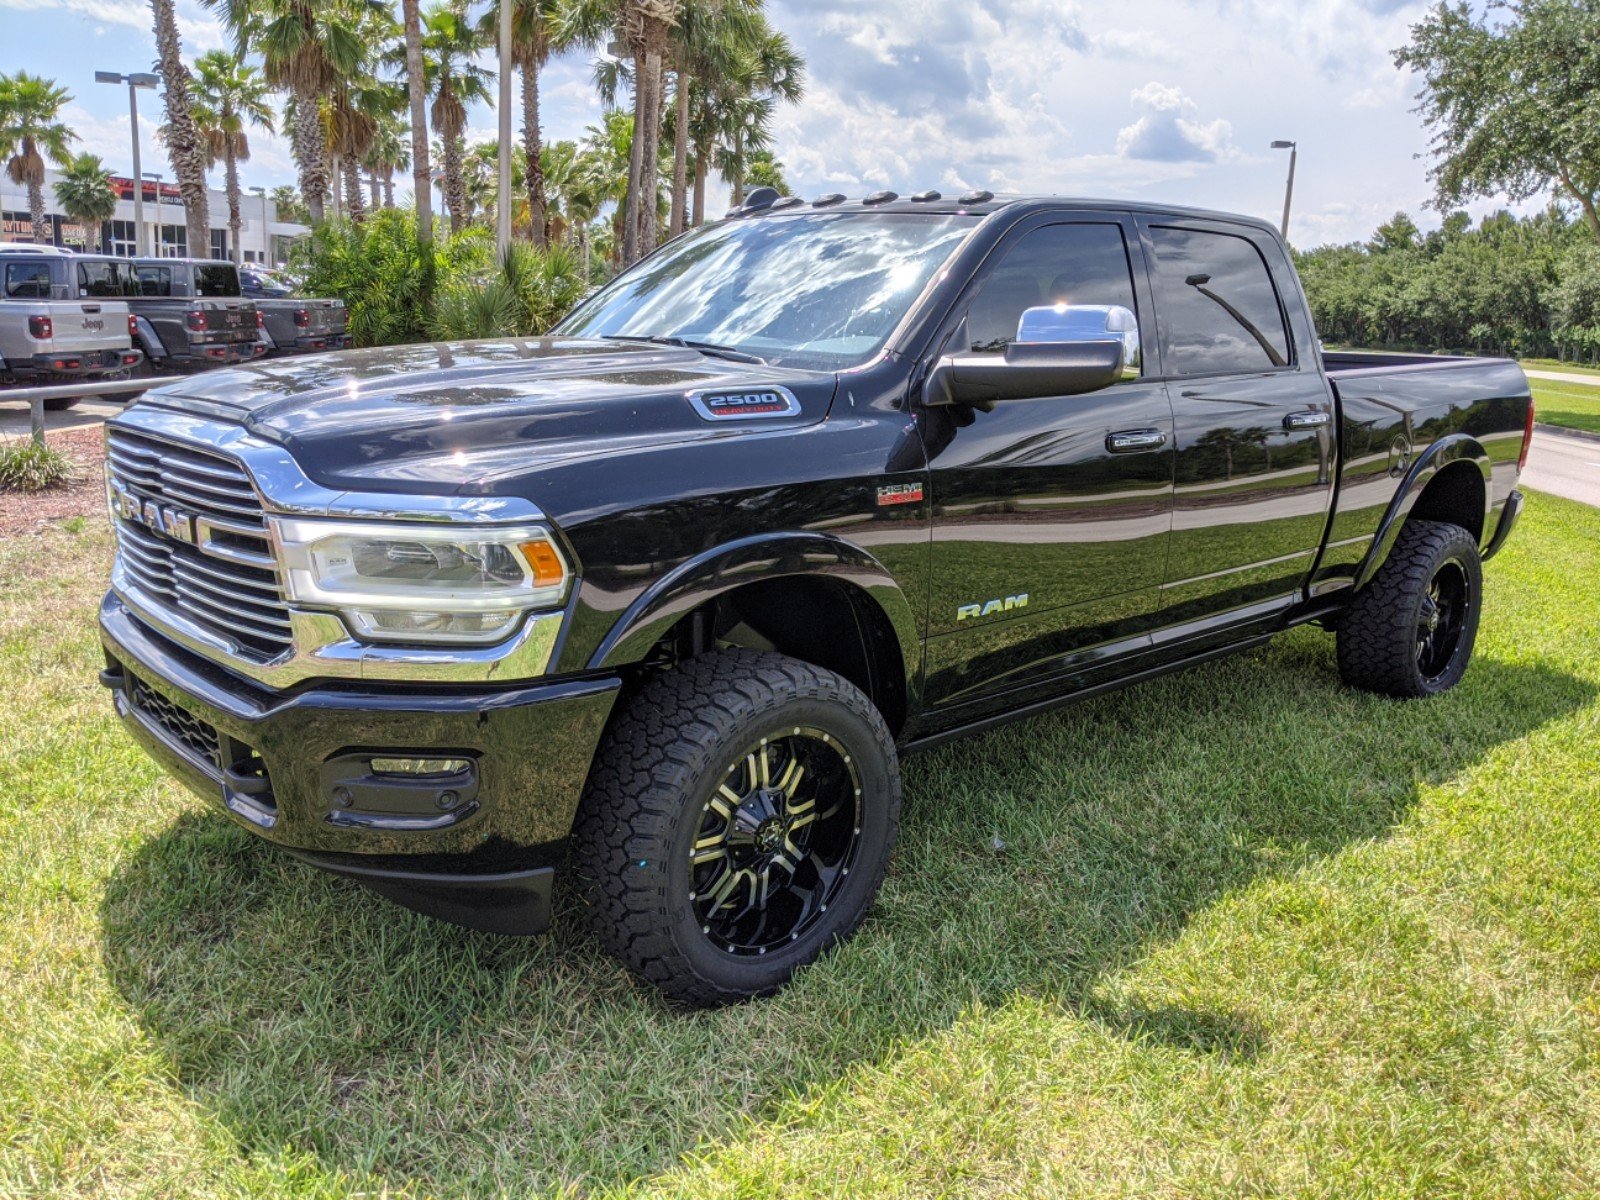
{"points": [[989, 608]]}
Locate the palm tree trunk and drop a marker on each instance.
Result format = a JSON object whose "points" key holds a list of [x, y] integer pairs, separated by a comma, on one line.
{"points": [[630, 216], [533, 147], [738, 166], [354, 203], [455, 185], [700, 187], [235, 222], [184, 147], [377, 192], [421, 171], [36, 211], [680, 157], [388, 185], [310, 155], [334, 177], [650, 149]]}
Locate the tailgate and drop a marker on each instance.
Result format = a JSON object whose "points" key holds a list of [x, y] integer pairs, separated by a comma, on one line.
{"points": [[229, 320], [328, 317], [89, 326]]}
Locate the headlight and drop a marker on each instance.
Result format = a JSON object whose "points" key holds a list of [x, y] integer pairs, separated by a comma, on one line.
{"points": [[422, 583]]}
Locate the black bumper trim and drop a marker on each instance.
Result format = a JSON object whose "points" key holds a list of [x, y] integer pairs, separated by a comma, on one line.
{"points": [[511, 903]]}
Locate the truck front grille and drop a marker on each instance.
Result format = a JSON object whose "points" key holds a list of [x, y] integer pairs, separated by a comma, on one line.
{"points": [[222, 576], [182, 726]]}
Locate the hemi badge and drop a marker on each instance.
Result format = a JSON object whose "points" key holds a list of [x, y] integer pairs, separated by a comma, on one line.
{"points": [[899, 493], [746, 404]]}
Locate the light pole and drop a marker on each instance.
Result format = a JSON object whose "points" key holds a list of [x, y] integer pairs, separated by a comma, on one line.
{"points": [[503, 203], [1288, 192], [266, 230], [142, 79], [156, 175]]}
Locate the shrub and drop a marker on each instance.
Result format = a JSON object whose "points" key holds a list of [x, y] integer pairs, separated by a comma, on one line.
{"points": [[396, 293], [28, 466]]}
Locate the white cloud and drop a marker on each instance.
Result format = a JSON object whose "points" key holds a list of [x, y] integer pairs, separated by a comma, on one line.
{"points": [[1166, 133]]}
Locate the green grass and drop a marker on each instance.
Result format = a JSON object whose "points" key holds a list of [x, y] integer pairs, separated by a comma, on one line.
{"points": [[1250, 933], [1571, 406]]}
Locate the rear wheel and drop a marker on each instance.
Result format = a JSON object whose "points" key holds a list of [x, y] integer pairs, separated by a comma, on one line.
{"points": [[1410, 632], [58, 403], [737, 823]]}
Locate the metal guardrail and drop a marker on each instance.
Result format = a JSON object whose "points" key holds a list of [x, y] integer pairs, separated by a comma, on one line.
{"points": [[36, 396]]}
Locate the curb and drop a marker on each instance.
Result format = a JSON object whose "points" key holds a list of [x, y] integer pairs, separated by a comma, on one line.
{"points": [[1582, 435]]}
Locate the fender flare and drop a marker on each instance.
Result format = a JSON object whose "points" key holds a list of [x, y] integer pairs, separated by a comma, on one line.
{"points": [[756, 559], [1454, 448], [149, 339]]}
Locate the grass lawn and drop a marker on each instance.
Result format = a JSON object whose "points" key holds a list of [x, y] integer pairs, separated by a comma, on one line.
{"points": [[1249, 933], [1570, 405]]}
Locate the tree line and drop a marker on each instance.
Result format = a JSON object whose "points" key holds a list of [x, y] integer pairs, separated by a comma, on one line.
{"points": [[365, 92], [1526, 286]]}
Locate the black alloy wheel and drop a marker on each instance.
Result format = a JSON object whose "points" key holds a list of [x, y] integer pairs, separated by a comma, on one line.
{"points": [[776, 842]]}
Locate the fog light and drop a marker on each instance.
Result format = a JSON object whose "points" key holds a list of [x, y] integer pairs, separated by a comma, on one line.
{"points": [[420, 766]]}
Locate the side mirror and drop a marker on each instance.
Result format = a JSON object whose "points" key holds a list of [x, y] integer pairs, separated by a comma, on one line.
{"points": [[1061, 350]]}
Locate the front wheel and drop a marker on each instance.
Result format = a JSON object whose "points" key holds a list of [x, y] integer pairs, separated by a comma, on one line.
{"points": [[736, 824], [1409, 633]]}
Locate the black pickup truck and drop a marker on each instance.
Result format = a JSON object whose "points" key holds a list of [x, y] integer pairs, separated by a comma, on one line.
{"points": [[666, 595]]}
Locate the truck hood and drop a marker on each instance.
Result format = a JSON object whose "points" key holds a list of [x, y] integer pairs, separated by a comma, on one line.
{"points": [[463, 415]]}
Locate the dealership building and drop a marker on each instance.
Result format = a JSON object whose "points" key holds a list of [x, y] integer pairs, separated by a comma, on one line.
{"points": [[262, 237]]}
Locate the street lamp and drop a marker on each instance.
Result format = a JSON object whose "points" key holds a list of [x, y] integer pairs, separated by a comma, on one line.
{"points": [[1288, 192], [156, 175], [141, 79], [266, 230]]}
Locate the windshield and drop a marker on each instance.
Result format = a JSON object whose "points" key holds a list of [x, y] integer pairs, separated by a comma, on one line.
{"points": [[816, 290]]}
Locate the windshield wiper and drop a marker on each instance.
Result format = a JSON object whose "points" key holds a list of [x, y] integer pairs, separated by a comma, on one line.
{"points": [[711, 348]]}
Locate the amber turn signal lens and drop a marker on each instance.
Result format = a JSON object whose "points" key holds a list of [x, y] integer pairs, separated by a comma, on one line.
{"points": [[548, 570]]}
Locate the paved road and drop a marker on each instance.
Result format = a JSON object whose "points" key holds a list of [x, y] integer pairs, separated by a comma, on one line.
{"points": [[1564, 466], [14, 415], [1565, 377]]}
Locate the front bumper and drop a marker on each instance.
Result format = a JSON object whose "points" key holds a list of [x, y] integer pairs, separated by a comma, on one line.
{"points": [[477, 848]]}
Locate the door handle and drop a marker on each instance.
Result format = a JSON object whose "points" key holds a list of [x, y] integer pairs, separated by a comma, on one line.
{"points": [[1135, 441], [1307, 420]]}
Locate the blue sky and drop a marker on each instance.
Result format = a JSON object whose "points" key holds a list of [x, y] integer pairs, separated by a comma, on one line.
{"points": [[1151, 99]]}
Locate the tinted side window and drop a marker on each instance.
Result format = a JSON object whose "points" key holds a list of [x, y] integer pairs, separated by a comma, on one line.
{"points": [[101, 279], [1055, 264], [1218, 309], [154, 281], [218, 280], [27, 281]]}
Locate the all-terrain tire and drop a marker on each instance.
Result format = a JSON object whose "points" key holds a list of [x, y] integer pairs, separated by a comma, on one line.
{"points": [[61, 403], [1382, 637], [661, 762]]}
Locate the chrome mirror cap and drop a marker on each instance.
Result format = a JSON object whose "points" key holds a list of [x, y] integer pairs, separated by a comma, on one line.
{"points": [[1066, 324]]}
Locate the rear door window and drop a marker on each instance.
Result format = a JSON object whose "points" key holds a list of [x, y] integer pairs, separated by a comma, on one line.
{"points": [[216, 279], [154, 281], [27, 281], [104, 280], [1218, 309]]}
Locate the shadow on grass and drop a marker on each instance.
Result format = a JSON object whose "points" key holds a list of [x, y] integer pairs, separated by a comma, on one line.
{"points": [[310, 1017]]}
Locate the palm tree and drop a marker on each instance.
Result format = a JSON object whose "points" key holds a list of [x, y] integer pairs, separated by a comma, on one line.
{"points": [[30, 132], [229, 96], [308, 48], [449, 43], [643, 27], [770, 71], [390, 152], [536, 31], [706, 45], [186, 149], [417, 94], [85, 194]]}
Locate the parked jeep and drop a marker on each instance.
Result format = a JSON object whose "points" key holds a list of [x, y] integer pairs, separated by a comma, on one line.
{"points": [[46, 338], [661, 600], [190, 316], [291, 324]]}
